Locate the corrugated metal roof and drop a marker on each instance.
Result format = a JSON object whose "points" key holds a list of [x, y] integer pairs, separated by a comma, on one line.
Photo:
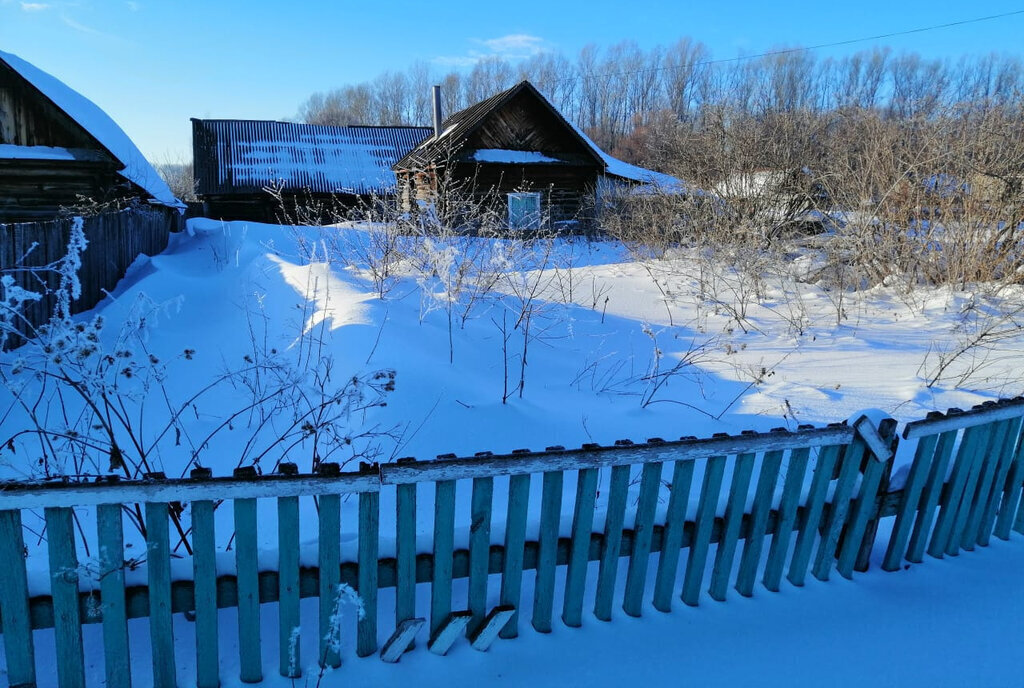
{"points": [[246, 156]]}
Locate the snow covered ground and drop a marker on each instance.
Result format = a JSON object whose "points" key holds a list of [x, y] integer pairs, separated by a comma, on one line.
{"points": [[613, 349], [242, 339]]}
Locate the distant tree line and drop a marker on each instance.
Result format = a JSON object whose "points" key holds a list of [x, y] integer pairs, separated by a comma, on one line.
{"points": [[611, 93], [892, 140]]}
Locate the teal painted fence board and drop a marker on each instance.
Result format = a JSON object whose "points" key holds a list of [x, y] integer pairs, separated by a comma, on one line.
{"points": [[405, 554], [60, 544], [547, 554], [758, 522], [808, 524], [611, 546], [479, 549], [910, 501], [672, 536], [1011, 492], [967, 495], [515, 542], [787, 515], [204, 567], [444, 548], [952, 494], [850, 462], [996, 491], [329, 561], [988, 463], [18, 645], [158, 567], [742, 471], [857, 522], [369, 546], [289, 645], [110, 535], [1018, 522], [707, 506], [643, 531], [247, 570], [579, 551], [930, 495]]}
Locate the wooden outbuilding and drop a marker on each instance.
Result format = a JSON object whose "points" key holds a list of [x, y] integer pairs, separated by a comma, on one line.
{"points": [[263, 171], [515, 155], [58, 150]]}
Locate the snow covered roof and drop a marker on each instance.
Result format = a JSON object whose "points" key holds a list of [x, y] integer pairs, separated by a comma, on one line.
{"points": [[461, 124], [100, 126], [245, 156], [624, 170]]}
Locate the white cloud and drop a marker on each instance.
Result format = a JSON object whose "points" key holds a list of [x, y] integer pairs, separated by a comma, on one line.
{"points": [[68, 21], [34, 6], [133, 6], [516, 46]]}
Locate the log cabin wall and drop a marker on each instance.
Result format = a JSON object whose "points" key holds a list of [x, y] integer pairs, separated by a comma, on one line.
{"points": [[34, 189], [565, 190], [513, 142]]}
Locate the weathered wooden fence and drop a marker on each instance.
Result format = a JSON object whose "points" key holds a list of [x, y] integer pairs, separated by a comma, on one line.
{"points": [[115, 240], [800, 502]]}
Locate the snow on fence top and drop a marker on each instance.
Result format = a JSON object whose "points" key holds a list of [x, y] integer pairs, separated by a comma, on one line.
{"points": [[100, 126]]}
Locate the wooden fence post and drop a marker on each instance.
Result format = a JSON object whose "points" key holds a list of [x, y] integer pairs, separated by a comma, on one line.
{"points": [[204, 566]]}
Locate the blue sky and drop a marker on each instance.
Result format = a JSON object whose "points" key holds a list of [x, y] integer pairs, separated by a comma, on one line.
{"points": [[153, 64]]}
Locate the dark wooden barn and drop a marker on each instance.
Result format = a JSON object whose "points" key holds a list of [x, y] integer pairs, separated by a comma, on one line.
{"points": [[516, 154], [322, 169], [62, 157], [58, 148]]}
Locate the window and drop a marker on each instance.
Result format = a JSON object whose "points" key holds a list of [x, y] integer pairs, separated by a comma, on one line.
{"points": [[524, 211]]}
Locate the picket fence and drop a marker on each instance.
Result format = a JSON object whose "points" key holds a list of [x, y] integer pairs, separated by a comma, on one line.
{"points": [[801, 502]]}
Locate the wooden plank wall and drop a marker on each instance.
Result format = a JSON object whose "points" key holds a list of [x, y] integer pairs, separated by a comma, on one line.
{"points": [[115, 241]]}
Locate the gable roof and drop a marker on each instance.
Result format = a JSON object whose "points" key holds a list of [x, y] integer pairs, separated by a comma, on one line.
{"points": [[99, 126], [246, 156], [457, 128], [460, 126]]}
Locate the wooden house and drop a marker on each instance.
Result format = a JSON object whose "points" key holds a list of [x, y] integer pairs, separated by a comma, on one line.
{"points": [[261, 170], [516, 153], [57, 148]]}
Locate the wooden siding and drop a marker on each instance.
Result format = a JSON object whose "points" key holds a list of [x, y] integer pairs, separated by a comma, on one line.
{"points": [[262, 207], [526, 124], [115, 241], [32, 190], [29, 119], [567, 192]]}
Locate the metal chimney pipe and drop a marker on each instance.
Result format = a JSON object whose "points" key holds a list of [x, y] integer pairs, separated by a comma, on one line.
{"points": [[436, 95]]}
